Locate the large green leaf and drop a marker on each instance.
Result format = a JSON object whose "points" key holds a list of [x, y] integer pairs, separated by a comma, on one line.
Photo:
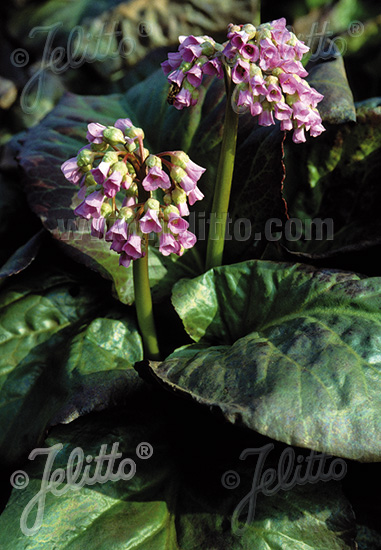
{"points": [[61, 356], [23, 256], [336, 178], [295, 353], [327, 74], [176, 498]]}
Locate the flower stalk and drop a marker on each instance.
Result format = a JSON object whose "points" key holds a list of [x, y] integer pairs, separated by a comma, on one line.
{"points": [[216, 237], [144, 311]]}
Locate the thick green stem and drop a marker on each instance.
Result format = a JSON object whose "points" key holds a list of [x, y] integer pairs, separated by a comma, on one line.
{"points": [[143, 302], [216, 237]]}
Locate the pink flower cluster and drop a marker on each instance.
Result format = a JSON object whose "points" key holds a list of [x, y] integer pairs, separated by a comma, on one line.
{"points": [[265, 66], [115, 164]]}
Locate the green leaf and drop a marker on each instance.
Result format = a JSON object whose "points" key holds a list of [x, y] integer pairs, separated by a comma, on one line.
{"points": [[23, 256], [329, 78], [175, 499], [58, 360], [13, 206], [295, 353], [335, 178]]}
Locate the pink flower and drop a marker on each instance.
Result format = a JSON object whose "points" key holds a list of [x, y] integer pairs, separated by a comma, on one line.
{"points": [[71, 171], [100, 172], [123, 124], [274, 93], [282, 111], [187, 239], [269, 55], [258, 85], [188, 184], [156, 178], [133, 247], [125, 259], [129, 201], [256, 108], [173, 62], [250, 52], [91, 206], [168, 244], [298, 135], [183, 208], [290, 85], [98, 227], [266, 118], [194, 170], [183, 99], [112, 185], [190, 48], [241, 71], [294, 67], [150, 222], [286, 124], [213, 67], [118, 231], [193, 196], [300, 49], [95, 132], [176, 224], [194, 75], [177, 77]]}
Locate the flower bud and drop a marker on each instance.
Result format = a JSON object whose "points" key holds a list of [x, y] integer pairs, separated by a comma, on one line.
{"points": [[90, 189], [153, 204], [167, 199], [86, 168], [106, 209], [180, 159], [185, 66], [85, 157], [255, 70], [277, 71], [153, 160], [250, 30], [202, 60], [113, 136], [131, 169], [134, 132], [126, 214], [132, 191], [271, 80], [119, 167], [292, 98], [177, 174], [110, 157], [99, 147], [234, 28], [207, 48], [131, 146], [179, 196], [262, 33], [171, 209], [187, 85], [89, 180]]}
